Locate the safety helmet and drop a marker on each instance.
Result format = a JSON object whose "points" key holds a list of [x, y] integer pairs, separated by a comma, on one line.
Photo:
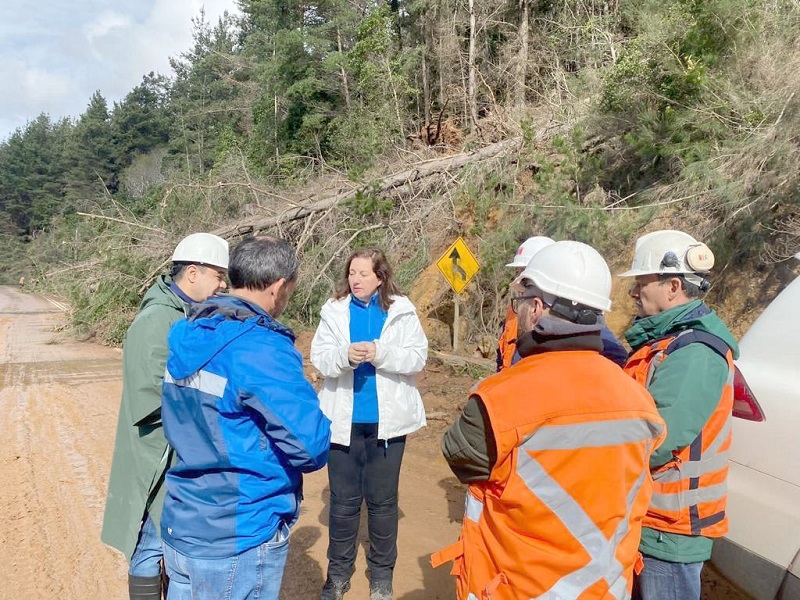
{"points": [[671, 251], [528, 248], [573, 271], [202, 249]]}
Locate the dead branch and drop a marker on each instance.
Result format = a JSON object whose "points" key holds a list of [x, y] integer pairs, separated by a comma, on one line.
{"points": [[124, 222], [84, 266], [417, 172]]}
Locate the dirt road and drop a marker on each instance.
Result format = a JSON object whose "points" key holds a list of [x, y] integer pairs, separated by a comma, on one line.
{"points": [[58, 412]]}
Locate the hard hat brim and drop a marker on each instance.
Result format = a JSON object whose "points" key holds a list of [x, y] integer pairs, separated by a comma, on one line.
{"points": [[667, 271]]}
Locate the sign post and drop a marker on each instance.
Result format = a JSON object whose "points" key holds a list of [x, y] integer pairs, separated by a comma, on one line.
{"points": [[458, 266]]}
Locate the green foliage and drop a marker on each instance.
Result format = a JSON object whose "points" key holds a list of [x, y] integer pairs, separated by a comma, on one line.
{"points": [[357, 138], [141, 121], [407, 270], [32, 174], [670, 107], [369, 203]]}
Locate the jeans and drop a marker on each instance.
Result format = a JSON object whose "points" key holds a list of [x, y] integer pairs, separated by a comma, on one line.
{"points": [[368, 469], [147, 555], [255, 574], [662, 580]]}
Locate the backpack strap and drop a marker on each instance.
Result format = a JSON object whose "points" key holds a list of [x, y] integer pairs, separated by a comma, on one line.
{"points": [[690, 336]]}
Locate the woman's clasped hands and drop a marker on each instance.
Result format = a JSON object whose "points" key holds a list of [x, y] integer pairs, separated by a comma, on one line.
{"points": [[361, 352]]}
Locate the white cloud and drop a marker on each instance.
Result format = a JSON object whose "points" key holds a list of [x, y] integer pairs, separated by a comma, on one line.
{"points": [[53, 60]]}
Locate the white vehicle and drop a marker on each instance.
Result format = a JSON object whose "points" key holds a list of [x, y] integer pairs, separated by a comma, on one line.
{"points": [[761, 552]]}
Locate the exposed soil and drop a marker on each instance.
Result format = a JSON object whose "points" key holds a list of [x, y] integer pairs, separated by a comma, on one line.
{"points": [[58, 413]]}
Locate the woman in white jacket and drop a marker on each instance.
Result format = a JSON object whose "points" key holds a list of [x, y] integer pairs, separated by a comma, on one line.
{"points": [[369, 346]]}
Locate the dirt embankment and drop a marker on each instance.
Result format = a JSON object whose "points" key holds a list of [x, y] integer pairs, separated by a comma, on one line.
{"points": [[58, 413]]}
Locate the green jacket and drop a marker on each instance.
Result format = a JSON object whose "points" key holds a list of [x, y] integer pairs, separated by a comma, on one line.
{"points": [[687, 387], [141, 453]]}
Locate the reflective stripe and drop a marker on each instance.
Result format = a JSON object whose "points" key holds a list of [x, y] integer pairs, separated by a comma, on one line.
{"points": [[712, 460], [692, 469], [472, 597], [603, 563], [592, 435], [203, 381], [473, 508], [699, 524], [686, 498]]}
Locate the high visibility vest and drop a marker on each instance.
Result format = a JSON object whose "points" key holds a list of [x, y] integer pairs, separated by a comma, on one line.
{"points": [[560, 516], [690, 492], [507, 344]]}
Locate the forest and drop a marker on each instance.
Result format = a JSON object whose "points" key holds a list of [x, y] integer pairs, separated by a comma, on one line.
{"points": [[407, 123]]}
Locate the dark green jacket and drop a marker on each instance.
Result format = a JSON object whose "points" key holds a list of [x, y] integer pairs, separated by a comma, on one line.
{"points": [[141, 453], [687, 387]]}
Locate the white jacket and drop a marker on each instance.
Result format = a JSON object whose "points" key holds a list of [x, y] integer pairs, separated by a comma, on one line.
{"points": [[402, 350]]}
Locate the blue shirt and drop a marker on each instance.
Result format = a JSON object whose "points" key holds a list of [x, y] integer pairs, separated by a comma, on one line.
{"points": [[366, 324]]}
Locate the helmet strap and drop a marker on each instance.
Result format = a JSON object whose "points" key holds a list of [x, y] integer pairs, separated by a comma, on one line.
{"points": [[574, 312]]}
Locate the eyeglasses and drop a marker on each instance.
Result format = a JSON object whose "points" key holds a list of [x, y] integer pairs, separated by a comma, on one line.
{"points": [[516, 299]]}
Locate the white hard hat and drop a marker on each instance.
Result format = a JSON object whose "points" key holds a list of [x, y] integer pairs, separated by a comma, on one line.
{"points": [[528, 248], [202, 249], [671, 251], [571, 270]]}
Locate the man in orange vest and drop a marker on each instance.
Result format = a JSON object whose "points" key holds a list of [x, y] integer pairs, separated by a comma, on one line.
{"points": [[555, 449], [683, 354], [507, 353], [507, 344]]}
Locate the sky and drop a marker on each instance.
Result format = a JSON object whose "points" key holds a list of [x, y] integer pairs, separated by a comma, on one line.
{"points": [[54, 55]]}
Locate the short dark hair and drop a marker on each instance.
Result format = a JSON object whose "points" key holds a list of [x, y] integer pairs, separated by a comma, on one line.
{"points": [[692, 290], [381, 268], [177, 270], [258, 262]]}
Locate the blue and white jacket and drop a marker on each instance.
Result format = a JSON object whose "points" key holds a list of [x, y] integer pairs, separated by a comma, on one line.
{"points": [[244, 423]]}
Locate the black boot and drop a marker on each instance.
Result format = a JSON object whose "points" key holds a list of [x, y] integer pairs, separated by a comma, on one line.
{"points": [[334, 590], [144, 588]]}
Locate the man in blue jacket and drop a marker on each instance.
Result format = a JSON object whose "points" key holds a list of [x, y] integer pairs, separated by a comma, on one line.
{"points": [[245, 425]]}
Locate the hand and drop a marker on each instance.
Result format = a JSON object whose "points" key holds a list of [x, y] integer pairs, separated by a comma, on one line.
{"points": [[356, 353], [370, 350]]}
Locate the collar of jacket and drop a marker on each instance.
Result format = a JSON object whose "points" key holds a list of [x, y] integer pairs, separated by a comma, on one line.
{"points": [[677, 318], [400, 305], [235, 308], [161, 293], [374, 299], [176, 289], [551, 334]]}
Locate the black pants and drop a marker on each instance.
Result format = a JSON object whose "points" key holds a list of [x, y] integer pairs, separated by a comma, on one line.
{"points": [[368, 470]]}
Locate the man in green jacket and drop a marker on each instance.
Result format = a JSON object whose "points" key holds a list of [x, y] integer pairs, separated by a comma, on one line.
{"points": [[141, 453], [683, 353]]}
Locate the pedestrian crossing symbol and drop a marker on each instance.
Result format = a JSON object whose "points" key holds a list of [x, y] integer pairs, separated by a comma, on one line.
{"points": [[458, 265]]}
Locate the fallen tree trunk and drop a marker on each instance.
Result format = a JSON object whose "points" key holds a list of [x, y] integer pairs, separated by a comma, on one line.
{"points": [[415, 174]]}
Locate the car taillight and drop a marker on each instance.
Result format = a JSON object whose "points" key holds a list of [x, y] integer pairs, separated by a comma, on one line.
{"points": [[745, 405]]}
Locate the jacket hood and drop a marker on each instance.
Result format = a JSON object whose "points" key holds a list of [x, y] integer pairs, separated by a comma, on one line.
{"points": [[210, 327], [159, 293], [554, 334], [692, 315]]}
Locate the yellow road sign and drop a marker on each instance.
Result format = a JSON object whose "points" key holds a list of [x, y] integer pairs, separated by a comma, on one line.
{"points": [[458, 265]]}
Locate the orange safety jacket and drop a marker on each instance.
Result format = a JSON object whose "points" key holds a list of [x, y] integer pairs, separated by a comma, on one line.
{"points": [[507, 344], [560, 515], [690, 492]]}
